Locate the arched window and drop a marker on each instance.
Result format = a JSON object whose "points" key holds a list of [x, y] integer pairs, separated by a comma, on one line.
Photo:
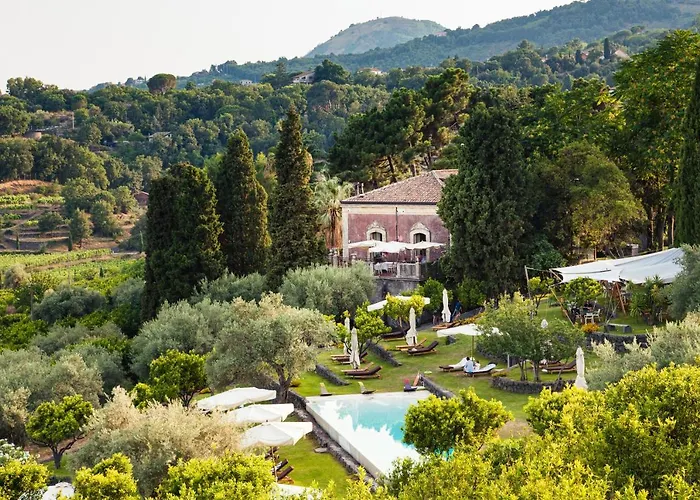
{"points": [[376, 232], [376, 236], [419, 237]]}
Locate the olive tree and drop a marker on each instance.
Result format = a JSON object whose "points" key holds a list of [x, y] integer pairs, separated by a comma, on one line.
{"points": [[269, 338], [174, 375]]}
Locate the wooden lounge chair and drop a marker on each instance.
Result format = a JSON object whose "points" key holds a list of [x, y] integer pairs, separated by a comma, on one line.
{"points": [[366, 373], [324, 391], [284, 473], [419, 351], [279, 466], [407, 347], [343, 359], [486, 370], [457, 367], [548, 365], [364, 390], [568, 367], [395, 335], [407, 387]]}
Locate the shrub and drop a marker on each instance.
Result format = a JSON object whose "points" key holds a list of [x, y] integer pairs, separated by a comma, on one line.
{"points": [[112, 478], [229, 287], [433, 290], [49, 221], [15, 276], [583, 290], [589, 328], [684, 293], [471, 294], [68, 302]]}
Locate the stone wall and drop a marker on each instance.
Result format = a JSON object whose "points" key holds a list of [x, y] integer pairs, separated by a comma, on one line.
{"points": [[384, 354], [526, 387], [618, 341], [394, 286], [436, 389], [330, 375]]}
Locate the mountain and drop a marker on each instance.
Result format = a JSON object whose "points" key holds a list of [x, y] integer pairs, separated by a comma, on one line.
{"points": [[380, 33]]}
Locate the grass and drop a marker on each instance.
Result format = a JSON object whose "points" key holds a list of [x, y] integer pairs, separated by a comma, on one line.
{"points": [[63, 472], [554, 312]]}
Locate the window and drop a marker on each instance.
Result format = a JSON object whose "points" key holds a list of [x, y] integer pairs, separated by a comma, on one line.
{"points": [[376, 236], [419, 237], [376, 232]]}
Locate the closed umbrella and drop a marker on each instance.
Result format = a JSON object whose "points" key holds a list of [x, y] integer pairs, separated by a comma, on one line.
{"points": [[580, 370], [412, 334], [275, 434], [445, 307], [347, 328], [258, 414], [234, 398], [363, 244], [355, 348]]}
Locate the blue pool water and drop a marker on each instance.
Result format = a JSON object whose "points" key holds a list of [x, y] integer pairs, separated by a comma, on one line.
{"points": [[368, 427]]}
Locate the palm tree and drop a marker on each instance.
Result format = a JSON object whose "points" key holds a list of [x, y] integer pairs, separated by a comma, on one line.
{"points": [[328, 193]]}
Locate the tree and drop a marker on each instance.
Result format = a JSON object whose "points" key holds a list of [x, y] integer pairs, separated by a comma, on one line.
{"points": [[125, 201], [111, 479], [79, 227], [68, 302], [233, 476], [369, 326], [268, 338], [183, 232], [328, 194], [513, 329], [21, 477], [432, 289], [229, 287], [539, 288], [329, 290], [684, 293], [436, 426], [13, 121], [14, 276], [175, 375], [294, 224], [154, 438], [161, 83], [607, 53], [583, 290], [331, 71], [103, 219], [49, 221], [688, 204], [400, 310], [59, 425], [242, 208], [484, 206]]}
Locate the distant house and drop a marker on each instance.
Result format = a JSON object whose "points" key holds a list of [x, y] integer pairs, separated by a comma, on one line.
{"points": [[621, 54], [374, 71], [159, 134], [246, 83], [33, 134], [306, 77], [405, 211], [141, 198], [441, 33]]}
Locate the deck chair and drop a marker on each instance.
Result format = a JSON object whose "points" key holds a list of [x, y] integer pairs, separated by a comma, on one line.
{"points": [[284, 473], [279, 466], [457, 367], [364, 390], [366, 373], [419, 351], [344, 360], [486, 370], [568, 367], [395, 335], [407, 387], [406, 347], [324, 391]]}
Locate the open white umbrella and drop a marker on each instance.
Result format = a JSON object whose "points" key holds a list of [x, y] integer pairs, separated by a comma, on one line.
{"points": [[355, 348], [388, 247], [580, 370], [471, 330], [378, 306], [347, 328], [424, 245], [234, 398], [363, 244], [412, 334], [445, 306], [258, 414], [276, 434]]}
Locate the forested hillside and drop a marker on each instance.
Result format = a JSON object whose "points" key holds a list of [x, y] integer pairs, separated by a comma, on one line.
{"points": [[587, 21], [380, 33]]}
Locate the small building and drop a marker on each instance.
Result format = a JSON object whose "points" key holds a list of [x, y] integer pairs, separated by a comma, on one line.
{"points": [[621, 54], [246, 83], [141, 198], [307, 77], [33, 134], [373, 71], [405, 211], [155, 135], [442, 33]]}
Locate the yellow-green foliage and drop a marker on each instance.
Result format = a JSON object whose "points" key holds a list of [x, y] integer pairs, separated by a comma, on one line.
{"points": [[111, 479]]}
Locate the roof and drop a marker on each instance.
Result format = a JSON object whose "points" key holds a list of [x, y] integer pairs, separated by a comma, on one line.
{"points": [[425, 189]]}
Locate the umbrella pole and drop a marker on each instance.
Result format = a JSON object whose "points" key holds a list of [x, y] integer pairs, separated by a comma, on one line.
{"points": [[472, 347]]}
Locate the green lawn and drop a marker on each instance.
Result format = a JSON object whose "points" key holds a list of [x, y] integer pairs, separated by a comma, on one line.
{"points": [[554, 312], [64, 473]]}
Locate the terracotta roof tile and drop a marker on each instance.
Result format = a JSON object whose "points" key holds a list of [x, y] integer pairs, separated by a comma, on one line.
{"points": [[422, 189]]}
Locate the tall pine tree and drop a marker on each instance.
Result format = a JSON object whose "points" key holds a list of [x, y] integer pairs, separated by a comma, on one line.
{"points": [[294, 225], [688, 194], [182, 229], [242, 208], [484, 206]]}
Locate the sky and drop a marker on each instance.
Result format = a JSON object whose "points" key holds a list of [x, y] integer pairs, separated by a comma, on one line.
{"points": [[79, 43]]}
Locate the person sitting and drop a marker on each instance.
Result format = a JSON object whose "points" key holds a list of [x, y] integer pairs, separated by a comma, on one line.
{"points": [[469, 366]]}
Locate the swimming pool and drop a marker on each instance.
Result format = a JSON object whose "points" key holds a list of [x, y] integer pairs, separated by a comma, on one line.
{"points": [[367, 426]]}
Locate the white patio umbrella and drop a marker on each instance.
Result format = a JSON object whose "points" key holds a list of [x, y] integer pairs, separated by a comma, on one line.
{"points": [[347, 327], [363, 244], [66, 490], [275, 434], [258, 414], [424, 245], [234, 398], [580, 370], [378, 306], [471, 330], [355, 348], [388, 247], [445, 306], [412, 334]]}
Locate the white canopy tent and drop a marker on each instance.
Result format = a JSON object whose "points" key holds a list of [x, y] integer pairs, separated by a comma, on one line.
{"points": [[666, 265], [276, 434], [378, 306], [234, 398], [258, 414]]}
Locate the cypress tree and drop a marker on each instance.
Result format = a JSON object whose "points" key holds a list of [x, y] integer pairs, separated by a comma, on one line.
{"points": [[242, 208], [484, 206], [182, 237], [607, 54], [294, 225], [688, 194]]}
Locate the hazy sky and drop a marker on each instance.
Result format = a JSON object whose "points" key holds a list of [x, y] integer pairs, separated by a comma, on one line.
{"points": [[79, 43]]}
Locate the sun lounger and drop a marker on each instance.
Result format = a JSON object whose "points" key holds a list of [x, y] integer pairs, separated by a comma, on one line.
{"points": [[407, 347], [568, 367], [486, 370], [279, 466], [364, 390], [407, 387], [366, 373], [551, 364], [395, 335], [456, 367], [284, 473], [343, 359], [419, 351], [324, 391]]}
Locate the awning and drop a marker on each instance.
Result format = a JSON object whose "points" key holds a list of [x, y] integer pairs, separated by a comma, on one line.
{"points": [[666, 265]]}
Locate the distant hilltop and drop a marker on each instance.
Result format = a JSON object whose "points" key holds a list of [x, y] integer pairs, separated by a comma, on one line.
{"points": [[380, 33]]}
